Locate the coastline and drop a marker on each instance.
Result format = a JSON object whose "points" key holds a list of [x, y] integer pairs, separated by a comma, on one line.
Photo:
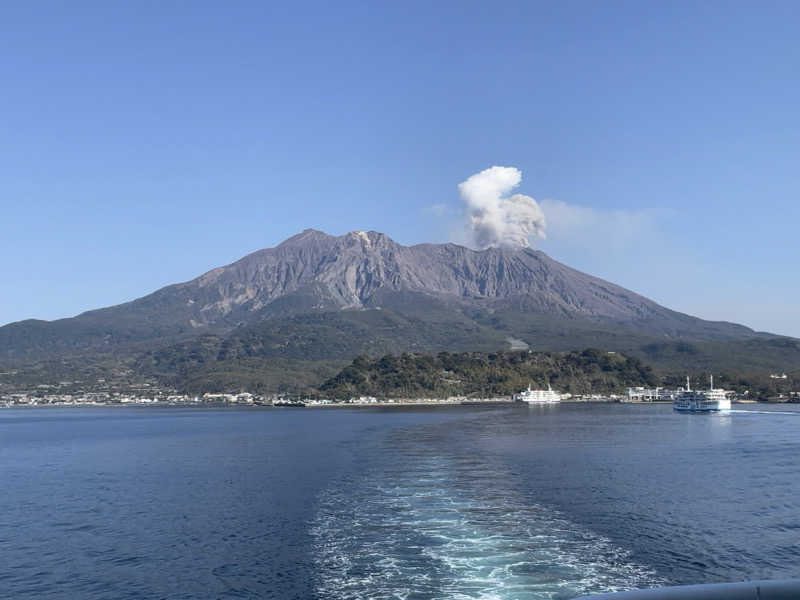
{"points": [[399, 402]]}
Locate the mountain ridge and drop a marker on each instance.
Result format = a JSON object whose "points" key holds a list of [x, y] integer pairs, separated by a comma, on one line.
{"points": [[333, 296]]}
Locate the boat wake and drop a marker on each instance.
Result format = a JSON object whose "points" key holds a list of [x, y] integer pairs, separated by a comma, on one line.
{"points": [[433, 526]]}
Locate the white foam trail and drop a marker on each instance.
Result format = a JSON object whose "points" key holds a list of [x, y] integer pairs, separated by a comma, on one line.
{"points": [[762, 412], [423, 531]]}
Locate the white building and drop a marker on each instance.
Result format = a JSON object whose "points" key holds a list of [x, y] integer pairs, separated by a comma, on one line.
{"points": [[642, 394]]}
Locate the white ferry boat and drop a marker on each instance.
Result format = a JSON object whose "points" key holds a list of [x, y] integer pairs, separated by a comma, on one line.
{"points": [[710, 400], [548, 396]]}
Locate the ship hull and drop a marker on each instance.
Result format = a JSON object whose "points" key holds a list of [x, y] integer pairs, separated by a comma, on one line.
{"points": [[541, 401], [721, 406]]}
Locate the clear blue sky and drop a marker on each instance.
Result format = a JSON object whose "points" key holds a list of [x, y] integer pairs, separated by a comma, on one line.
{"points": [[143, 143]]}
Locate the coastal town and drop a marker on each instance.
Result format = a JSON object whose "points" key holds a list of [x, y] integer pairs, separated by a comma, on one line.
{"points": [[103, 393], [156, 397], [147, 395]]}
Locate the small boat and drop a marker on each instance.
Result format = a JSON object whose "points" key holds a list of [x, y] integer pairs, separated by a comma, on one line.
{"points": [[710, 400], [548, 396]]}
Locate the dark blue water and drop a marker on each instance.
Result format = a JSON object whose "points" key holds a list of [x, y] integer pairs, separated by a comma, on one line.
{"points": [[470, 502]]}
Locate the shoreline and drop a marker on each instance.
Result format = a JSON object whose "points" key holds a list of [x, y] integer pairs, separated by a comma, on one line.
{"points": [[379, 404]]}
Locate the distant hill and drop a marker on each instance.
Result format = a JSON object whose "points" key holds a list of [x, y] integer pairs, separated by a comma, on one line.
{"points": [[329, 298], [485, 375]]}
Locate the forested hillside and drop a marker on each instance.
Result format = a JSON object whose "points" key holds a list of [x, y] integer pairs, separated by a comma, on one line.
{"points": [[493, 374]]}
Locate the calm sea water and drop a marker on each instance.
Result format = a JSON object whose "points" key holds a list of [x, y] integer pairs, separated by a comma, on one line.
{"points": [[470, 502]]}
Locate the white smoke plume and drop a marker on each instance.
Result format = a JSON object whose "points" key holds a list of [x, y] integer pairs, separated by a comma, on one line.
{"points": [[493, 217]]}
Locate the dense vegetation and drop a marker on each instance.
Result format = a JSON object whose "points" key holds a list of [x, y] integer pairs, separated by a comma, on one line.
{"points": [[299, 353], [340, 335], [482, 374], [293, 377], [209, 365]]}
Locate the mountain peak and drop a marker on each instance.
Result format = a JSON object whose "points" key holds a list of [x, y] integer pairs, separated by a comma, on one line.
{"points": [[311, 236], [305, 236]]}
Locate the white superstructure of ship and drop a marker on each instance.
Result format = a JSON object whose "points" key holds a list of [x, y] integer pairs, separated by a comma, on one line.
{"points": [[548, 396], [710, 400]]}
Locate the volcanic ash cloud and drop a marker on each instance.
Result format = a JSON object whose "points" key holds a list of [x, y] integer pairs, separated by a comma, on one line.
{"points": [[493, 217]]}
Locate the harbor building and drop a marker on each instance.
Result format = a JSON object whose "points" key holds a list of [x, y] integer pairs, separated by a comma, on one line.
{"points": [[642, 394]]}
